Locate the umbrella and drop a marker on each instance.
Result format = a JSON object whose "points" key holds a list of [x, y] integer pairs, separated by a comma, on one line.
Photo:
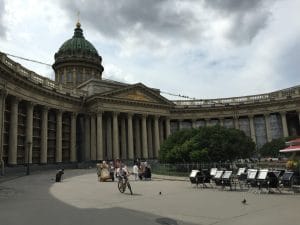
{"points": [[294, 148]]}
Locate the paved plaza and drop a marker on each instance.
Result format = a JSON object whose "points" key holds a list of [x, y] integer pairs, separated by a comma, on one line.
{"points": [[80, 199]]}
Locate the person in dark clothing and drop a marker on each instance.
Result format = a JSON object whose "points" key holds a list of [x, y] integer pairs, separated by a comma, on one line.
{"points": [[59, 175], [147, 173]]}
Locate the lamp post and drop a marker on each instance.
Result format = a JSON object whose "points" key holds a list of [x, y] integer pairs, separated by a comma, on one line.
{"points": [[28, 155]]}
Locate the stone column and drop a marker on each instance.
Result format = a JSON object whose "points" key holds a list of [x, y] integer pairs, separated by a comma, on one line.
{"points": [[130, 136], [144, 137], [87, 138], [123, 138], [3, 95], [44, 135], [29, 130], [179, 124], [100, 154], [252, 128], [161, 131], [149, 138], [108, 137], [13, 132], [116, 152], [93, 137], [156, 136], [73, 155], [236, 122], [284, 124], [221, 121], [168, 128], [193, 123], [137, 137], [58, 154], [268, 129], [207, 122]]}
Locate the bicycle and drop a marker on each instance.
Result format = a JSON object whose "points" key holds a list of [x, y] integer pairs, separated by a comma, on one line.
{"points": [[123, 182]]}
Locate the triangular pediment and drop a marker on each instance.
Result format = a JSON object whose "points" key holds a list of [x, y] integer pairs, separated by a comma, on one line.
{"points": [[138, 93]]}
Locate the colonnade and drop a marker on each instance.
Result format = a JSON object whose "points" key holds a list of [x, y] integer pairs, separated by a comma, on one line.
{"points": [[124, 135], [13, 134], [235, 123], [106, 134]]}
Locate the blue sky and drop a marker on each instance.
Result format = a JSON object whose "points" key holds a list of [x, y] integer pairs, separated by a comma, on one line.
{"points": [[197, 48]]}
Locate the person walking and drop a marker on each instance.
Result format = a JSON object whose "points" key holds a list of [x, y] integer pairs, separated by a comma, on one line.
{"points": [[135, 170]]}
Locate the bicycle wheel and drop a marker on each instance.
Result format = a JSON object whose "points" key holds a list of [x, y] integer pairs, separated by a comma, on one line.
{"points": [[129, 187], [121, 186]]}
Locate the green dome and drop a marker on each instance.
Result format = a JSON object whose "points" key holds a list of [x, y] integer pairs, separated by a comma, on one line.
{"points": [[77, 45]]}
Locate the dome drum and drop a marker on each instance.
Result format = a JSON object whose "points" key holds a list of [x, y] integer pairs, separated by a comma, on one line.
{"points": [[77, 53]]}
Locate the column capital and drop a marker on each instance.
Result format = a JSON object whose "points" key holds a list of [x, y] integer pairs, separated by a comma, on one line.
{"points": [[99, 111], [156, 116], [45, 108], [115, 113], [130, 114], [59, 111], [74, 114], [3, 93], [283, 113], [251, 116], [16, 99], [30, 104]]}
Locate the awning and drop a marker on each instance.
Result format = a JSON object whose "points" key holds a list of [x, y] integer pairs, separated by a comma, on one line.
{"points": [[294, 148], [293, 142]]}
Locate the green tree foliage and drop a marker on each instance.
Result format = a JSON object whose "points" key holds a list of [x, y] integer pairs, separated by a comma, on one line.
{"points": [[206, 144], [271, 149]]}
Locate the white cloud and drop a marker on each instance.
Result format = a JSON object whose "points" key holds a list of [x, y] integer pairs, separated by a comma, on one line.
{"points": [[206, 49]]}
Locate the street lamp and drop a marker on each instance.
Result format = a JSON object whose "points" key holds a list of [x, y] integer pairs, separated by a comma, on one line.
{"points": [[28, 155]]}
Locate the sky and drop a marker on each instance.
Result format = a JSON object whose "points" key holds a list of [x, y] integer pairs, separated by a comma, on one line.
{"points": [[198, 48]]}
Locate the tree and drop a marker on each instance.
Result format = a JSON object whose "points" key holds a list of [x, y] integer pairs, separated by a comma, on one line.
{"points": [[271, 149], [206, 144]]}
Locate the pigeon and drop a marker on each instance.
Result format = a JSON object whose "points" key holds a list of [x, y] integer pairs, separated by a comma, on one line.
{"points": [[244, 201], [159, 193]]}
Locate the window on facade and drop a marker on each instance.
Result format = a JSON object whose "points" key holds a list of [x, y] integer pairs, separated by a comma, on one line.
{"points": [[62, 78], [79, 75], [69, 75]]}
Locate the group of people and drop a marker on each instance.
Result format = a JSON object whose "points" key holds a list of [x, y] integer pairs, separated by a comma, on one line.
{"points": [[109, 170], [142, 170]]}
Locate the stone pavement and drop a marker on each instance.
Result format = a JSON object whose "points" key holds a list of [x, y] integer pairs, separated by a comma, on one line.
{"points": [[81, 199]]}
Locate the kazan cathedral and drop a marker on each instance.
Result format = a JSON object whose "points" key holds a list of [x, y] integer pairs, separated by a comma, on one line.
{"points": [[80, 117]]}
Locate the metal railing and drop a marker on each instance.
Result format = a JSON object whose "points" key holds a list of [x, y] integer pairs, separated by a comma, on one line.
{"points": [[289, 92]]}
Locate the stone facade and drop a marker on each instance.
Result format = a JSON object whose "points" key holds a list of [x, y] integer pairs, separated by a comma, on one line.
{"points": [[44, 121]]}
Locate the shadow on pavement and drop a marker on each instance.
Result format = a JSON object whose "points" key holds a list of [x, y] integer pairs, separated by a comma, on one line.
{"points": [[27, 200]]}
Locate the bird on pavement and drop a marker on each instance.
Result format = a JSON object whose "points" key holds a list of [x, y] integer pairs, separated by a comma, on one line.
{"points": [[244, 201]]}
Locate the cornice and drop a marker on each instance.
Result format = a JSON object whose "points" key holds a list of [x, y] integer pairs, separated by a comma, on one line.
{"points": [[13, 77], [127, 102]]}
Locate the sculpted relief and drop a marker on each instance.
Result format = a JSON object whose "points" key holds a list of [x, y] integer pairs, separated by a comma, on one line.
{"points": [[136, 95]]}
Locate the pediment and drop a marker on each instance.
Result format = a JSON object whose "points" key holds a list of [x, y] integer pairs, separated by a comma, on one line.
{"points": [[138, 93]]}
